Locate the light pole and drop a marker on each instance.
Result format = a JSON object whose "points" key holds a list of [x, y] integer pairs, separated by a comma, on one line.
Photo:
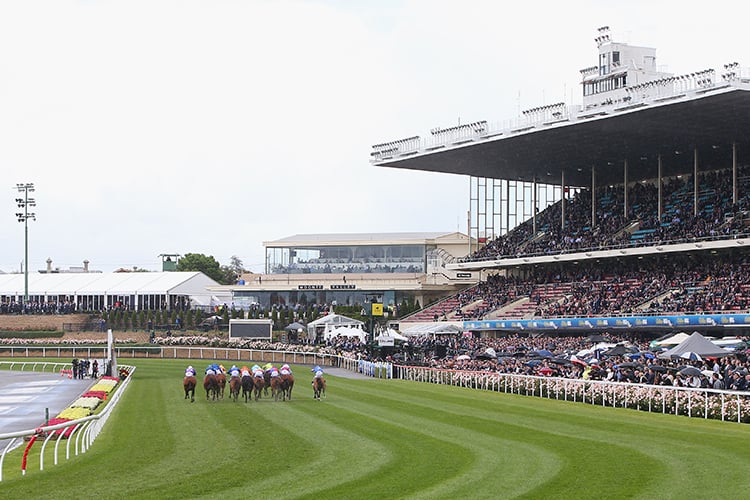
{"points": [[24, 217]]}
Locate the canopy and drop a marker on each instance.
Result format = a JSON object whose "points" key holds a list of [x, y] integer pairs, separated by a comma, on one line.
{"points": [[432, 329], [343, 331], [698, 344], [293, 327], [393, 333]]}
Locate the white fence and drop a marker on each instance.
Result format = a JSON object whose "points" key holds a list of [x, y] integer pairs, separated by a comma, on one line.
{"points": [[702, 403], [78, 435]]}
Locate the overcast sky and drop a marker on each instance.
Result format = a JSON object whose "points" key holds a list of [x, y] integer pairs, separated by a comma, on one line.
{"points": [[153, 126]]}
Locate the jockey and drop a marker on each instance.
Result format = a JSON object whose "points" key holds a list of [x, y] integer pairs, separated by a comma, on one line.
{"points": [[190, 371], [210, 370], [285, 370], [318, 371], [245, 371], [268, 366], [234, 371], [274, 371], [257, 371]]}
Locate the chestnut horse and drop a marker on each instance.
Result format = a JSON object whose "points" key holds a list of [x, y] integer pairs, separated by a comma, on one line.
{"points": [[287, 384], [222, 380], [258, 384], [234, 387], [276, 389], [319, 388], [211, 385], [247, 387], [189, 383]]}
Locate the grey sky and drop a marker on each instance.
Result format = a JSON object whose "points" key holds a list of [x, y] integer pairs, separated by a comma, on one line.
{"points": [[156, 127]]}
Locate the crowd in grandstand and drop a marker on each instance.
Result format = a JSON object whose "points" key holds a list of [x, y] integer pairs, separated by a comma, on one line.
{"points": [[716, 216]]}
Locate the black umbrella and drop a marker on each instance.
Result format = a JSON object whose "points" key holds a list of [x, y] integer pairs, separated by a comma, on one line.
{"points": [[690, 371], [628, 365], [658, 368]]}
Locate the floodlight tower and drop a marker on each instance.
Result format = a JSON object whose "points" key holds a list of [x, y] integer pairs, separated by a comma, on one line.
{"points": [[24, 217]]}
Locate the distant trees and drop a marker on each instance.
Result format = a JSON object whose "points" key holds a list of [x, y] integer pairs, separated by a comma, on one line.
{"points": [[197, 262]]}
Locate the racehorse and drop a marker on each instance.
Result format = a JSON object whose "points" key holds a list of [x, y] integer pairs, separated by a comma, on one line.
{"points": [[234, 387], [247, 387], [259, 383], [276, 389], [222, 380], [319, 388], [189, 384], [267, 380], [211, 384], [287, 384]]}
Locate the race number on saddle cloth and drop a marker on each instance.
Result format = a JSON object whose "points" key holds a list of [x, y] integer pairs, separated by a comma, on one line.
{"points": [[190, 371], [285, 370]]}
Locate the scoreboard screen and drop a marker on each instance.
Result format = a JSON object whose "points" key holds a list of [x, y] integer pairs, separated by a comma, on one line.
{"points": [[250, 328]]}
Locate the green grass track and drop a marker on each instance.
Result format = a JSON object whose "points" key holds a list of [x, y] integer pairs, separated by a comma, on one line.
{"points": [[388, 439]]}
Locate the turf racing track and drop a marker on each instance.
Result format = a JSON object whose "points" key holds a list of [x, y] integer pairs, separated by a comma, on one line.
{"points": [[392, 438]]}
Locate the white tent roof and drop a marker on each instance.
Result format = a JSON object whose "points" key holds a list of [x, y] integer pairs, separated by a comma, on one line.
{"points": [[343, 331], [332, 321], [432, 329], [673, 340], [134, 283], [698, 344]]}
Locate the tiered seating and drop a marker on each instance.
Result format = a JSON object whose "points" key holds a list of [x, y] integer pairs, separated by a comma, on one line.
{"points": [[440, 309]]}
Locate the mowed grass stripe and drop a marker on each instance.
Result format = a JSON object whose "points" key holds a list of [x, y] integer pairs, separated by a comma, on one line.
{"points": [[390, 438], [473, 455]]}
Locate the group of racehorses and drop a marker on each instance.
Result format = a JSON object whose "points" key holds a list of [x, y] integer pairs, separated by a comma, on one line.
{"points": [[281, 386]]}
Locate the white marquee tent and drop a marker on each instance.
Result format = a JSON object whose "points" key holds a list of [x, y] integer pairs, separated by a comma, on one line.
{"points": [[139, 290]]}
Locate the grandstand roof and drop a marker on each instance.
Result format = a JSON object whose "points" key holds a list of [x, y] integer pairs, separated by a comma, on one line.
{"points": [[708, 119], [332, 239], [159, 283]]}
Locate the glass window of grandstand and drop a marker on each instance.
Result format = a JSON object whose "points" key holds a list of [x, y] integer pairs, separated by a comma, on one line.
{"points": [[347, 259]]}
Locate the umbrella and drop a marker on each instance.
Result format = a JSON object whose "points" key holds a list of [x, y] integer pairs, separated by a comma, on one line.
{"points": [[658, 368], [533, 363], [543, 353], [690, 371], [293, 327], [628, 365], [596, 338], [463, 357], [546, 371], [692, 356], [648, 355], [559, 361]]}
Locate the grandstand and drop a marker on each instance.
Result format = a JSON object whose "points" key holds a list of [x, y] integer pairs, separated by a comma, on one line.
{"points": [[635, 204]]}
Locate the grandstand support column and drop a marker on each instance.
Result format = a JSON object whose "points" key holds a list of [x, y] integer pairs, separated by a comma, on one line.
{"points": [[625, 189], [695, 181], [658, 194], [534, 208], [734, 172], [562, 202], [593, 197]]}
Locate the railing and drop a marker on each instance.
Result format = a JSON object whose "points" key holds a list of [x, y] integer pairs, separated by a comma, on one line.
{"points": [[378, 370], [80, 433], [702, 403]]}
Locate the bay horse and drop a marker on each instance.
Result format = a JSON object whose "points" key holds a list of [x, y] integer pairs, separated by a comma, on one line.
{"points": [[267, 381], [234, 387], [211, 385], [276, 389], [319, 388], [259, 384], [222, 380], [287, 384], [247, 387], [189, 383]]}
